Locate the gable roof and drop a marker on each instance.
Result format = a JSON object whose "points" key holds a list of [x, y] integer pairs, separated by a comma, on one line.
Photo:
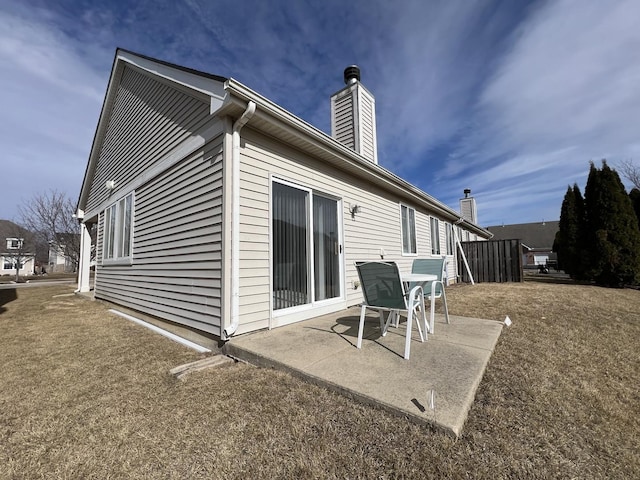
{"points": [[539, 235], [9, 229], [207, 85], [229, 97]]}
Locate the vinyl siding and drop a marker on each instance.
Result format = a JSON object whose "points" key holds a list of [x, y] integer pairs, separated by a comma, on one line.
{"points": [[376, 228], [367, 127], [148, 120], [344, 121], [177, 246], [468, 209]]}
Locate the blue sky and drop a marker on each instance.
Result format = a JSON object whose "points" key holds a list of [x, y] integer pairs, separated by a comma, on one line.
{"points": [[511, 99]]}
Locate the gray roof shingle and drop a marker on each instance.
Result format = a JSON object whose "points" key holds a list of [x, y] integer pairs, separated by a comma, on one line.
{"points": [[539, 235]]}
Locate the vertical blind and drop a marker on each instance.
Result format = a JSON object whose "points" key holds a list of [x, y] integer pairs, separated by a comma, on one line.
{"points": [[290, 263], [408, 229], [435, 236], [326, 248]]}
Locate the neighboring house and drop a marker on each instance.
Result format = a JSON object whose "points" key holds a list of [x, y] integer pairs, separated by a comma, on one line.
{"points": [[60, 260], [537, 240], [16, 247], [219, 210]]}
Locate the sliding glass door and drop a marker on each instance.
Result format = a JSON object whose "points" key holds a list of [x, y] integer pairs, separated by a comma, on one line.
{"points": [[306, 247], [327, 246]]}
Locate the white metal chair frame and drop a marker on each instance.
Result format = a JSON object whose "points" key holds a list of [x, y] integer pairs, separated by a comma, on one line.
{"points": [[436, 266], [409, 304]]}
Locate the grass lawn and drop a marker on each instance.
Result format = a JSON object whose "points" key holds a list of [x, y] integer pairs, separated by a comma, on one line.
{"points": [[38, 278], [85, 394]]}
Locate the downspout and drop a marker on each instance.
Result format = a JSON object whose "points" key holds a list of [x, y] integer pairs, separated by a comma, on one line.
{"points": [[235, 219]]}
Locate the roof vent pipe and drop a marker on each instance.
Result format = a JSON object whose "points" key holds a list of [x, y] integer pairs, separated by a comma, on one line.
{"points": [[351, 74]]}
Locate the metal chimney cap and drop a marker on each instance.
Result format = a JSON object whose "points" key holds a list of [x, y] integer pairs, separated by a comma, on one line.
{"points": [[351, 74], [467, 191]]}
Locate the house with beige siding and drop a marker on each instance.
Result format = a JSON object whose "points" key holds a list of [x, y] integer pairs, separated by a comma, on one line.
{"points": [[219, 210]]}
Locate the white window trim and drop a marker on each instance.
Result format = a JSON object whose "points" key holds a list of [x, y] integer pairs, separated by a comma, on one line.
{"points": [[10, 241], [117, 258], [24, 261], [415, 232]]}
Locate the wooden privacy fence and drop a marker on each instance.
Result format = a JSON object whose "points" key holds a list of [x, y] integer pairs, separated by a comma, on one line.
{"points": [[492, 261]]}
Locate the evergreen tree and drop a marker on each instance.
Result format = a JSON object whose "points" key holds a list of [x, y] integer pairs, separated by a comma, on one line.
{"points": [[568, 243], [611, 227], [634, 195]]}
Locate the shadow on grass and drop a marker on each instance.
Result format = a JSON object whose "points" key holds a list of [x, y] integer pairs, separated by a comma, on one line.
{"points": [[552, 277], [7, 295], [565, 281]]}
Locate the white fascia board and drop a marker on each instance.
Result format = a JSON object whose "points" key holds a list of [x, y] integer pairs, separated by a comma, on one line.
{"points": [[383, 177], [101, 127], [208, 86]]}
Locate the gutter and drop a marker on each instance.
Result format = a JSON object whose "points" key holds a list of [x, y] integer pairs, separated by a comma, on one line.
{"points": [[275, 114], [235, 219]]}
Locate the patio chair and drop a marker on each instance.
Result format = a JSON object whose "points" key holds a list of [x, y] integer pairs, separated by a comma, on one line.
{"points": [[435, 289], [384, 291]]}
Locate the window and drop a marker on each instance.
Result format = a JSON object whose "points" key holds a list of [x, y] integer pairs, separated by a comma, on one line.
{"points": [[451, 246], [117, 229], [435, 236], [14, 243], [10, 263], [408, 218]]}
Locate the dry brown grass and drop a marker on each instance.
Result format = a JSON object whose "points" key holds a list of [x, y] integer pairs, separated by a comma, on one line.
{"points": [[84, 394], [4, 279]]}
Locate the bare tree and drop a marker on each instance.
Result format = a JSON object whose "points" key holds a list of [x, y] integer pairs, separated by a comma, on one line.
{"points": [[50, 216], [631, 172]]}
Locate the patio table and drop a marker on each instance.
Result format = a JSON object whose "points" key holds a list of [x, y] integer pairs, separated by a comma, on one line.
{"points": [[422, 278], [408, 278], [418, 277]]}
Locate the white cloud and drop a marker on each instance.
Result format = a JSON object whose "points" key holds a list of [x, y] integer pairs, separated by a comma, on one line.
{"points": [[564, 94], [507, 100], [428, 69], [569, 75], [51, 101]]}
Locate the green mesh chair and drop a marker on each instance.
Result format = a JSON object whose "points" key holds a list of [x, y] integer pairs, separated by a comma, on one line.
{"points": [[435, 289], [384, 291]]}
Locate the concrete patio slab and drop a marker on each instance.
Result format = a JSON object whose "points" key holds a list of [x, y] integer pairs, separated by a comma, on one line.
{"points": [[436, 385]]}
